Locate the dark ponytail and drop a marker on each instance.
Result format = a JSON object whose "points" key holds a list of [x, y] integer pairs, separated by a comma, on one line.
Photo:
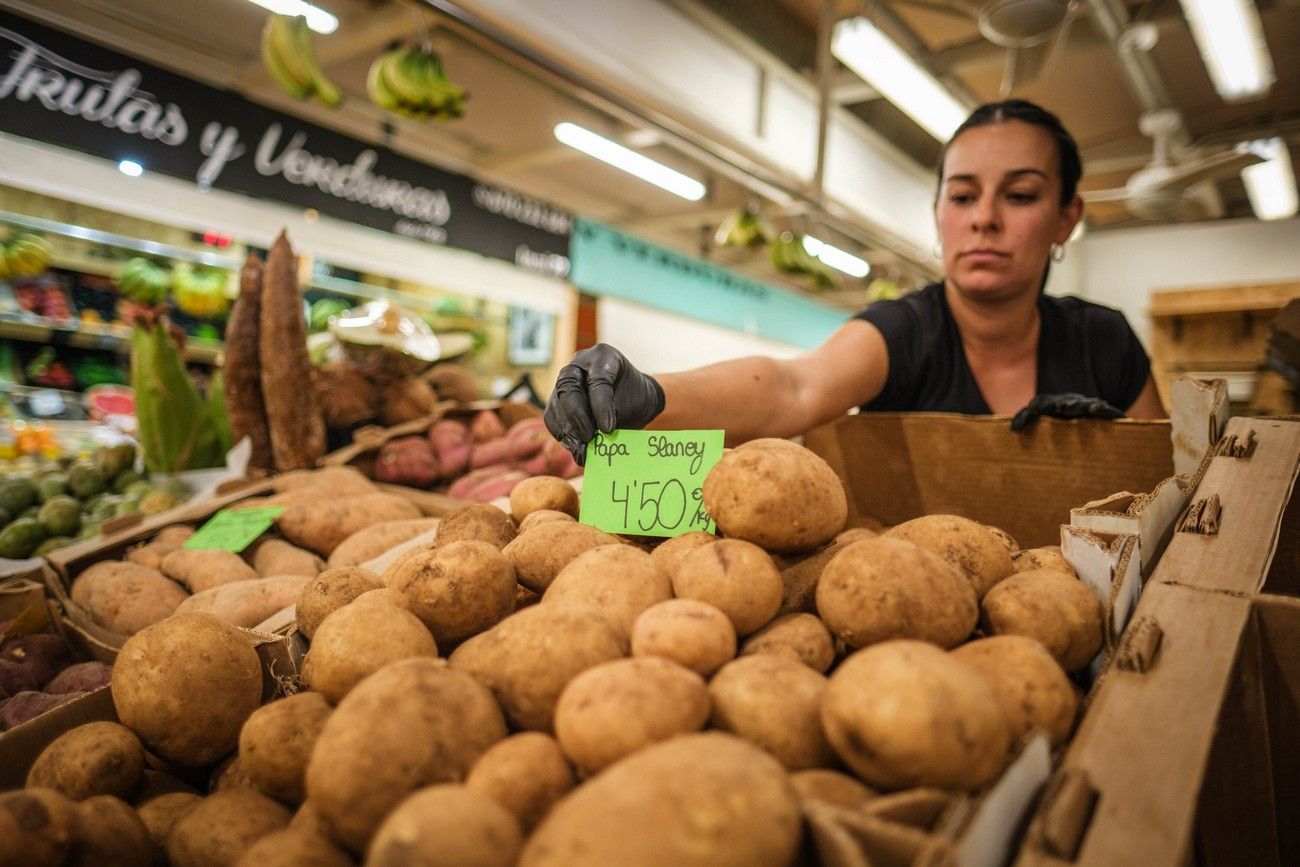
{"points": [[1027, 112]]}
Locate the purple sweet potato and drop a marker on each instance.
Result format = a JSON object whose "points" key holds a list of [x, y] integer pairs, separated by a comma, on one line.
{"points": [[491, 452], [42, 656], [29, 705], [407, 461], [486, 427], [14, 678], [81, 677]]}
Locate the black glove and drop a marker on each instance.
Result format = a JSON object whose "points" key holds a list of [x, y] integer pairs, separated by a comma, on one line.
{"points": [[1067, 405], [599, 389]]}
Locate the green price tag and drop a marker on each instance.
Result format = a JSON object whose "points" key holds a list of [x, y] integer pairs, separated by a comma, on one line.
{"points": [[234, 529], [647, 483]]}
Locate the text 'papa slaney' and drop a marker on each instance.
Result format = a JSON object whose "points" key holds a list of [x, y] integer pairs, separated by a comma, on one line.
{"points": [[658, 447]]}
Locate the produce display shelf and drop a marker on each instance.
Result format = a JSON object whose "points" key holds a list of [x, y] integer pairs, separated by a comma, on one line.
{"points": [[88, 335], [125, 242]]}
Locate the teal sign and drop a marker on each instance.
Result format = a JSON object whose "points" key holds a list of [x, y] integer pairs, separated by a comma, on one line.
{"points": [[606, 261]]}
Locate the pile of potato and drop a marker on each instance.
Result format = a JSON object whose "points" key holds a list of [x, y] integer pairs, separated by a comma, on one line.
{"points": [[329, 519], [529, 690]]}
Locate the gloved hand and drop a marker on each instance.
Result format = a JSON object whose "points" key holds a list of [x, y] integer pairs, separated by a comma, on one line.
{"points": [[599, 389], [1067, 405]]}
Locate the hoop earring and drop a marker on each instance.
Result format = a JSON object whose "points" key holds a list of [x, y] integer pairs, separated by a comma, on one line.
{"points": [[1058, 252]]}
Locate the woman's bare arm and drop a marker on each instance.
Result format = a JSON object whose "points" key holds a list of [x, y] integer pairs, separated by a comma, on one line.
{"points": [[1148, 403]]}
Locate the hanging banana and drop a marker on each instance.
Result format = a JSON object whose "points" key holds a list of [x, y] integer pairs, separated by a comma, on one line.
{"points": [[411, 82], [290, 58]]}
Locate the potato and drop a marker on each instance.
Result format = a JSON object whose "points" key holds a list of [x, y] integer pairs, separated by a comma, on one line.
{"points": [[218, 830], [801, 637], [704, 799], [831, 787], [854, 534], [1012, 546], [110, 834], [669, 552], [939, 727], [693, 634], [155, 784], [37, 828], [777, 495], [166, 541], [799, 579], [330, 591], [321, 523], [98, 758], [229, 774], [885, 588], [532, 519], [1032, 688], [200, 570], [540, 554], [542, 492], [278, 557], [185, 687], [775, 703], [360, 639], [411, 724], [1048, 557], [160, 814], [80, 677], [367, 544], [1059, 611], [293, 848], [528, 659], [276, 742], [615, 709], [246, 603], [126, 597], [620, 580], [456, 590], [35, 659], [478, 522], [736, 577], [970, 546], [526, 773], [447, 826]]}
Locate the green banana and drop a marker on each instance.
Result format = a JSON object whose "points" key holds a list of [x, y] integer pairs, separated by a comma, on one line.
{"points": [[411, 82], [325, 90], [377, 87]]}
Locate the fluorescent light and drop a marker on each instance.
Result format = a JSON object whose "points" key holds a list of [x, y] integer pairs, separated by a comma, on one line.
{"points": [[879, 61], [1231, 42], [1270, 185], [318, 19], [836, 258], [130, 168], [630, 161]]}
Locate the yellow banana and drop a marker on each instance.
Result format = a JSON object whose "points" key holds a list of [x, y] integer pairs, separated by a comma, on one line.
{"points": [[377, 88], [283, 57], [325, 90]]}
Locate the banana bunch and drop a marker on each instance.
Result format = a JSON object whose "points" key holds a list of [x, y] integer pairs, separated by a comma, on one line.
{"points": [[743, 228], [411, 82], [143, 282], [200, 292], [788, 254], [26, 255], [290, 58]]}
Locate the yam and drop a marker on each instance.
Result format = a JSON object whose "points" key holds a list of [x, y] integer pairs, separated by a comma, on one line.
{"points": [[776, 494], [620, 580], [456, 590], [540, 554], [1031, 686], [887, 588], [126, 597], [941, 727], [1057, 610], [775, 703], [218, 830], [526, 666], [412, 724], [691, 633], [242, 370], [278, 557], [970, 546], [526, 773], [98, 758], [612, 710], [367, 544], [800, 637], [359, 639], [330, 591], [736, 577], [447, 825], [246, 603], [275, 744], [321, 524], [200, 570], [186, 685]]}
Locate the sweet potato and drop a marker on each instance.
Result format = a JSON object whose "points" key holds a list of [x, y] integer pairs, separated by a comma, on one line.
{"points": [[461, 487], [486, 427], [38, 657], [29, 705], [321, 524], [296, 427], [242, 370], [407, 461], [485, 454], [452, 445], [374, 540], [553, 460], [201, 570], [527, 437], [278, 557], [247, 603], [81, 677], [496, 487]]}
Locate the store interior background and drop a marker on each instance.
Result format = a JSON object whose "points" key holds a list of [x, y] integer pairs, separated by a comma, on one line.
{"points": [[728, 92]]}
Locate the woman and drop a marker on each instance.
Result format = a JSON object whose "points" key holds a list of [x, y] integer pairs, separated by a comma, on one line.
{"points": [[984, 339]]}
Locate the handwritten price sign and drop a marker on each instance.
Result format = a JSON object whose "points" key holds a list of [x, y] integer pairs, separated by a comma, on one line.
{"points": [[647, 483]]}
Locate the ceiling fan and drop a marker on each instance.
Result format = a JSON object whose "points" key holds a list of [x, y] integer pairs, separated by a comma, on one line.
{"points": [[1032, 31], [1165, 187]]}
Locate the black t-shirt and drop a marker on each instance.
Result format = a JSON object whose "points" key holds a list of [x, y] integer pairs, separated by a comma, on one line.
{"points": [[1082, 347]]}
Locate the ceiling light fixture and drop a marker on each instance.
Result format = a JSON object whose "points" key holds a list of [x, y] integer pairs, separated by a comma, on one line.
{"points": [[318, 19], [130, 168], [1270, 185], [836, 258], [1231, 41], [881, 63], [630, 161]]}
